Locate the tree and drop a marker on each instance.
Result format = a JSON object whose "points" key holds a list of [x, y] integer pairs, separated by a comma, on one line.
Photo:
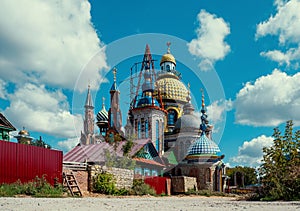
{"points": [[40, 143], [280, 170], [250, 175]]}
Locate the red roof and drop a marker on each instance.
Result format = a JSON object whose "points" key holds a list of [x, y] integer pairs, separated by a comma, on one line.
{"points": [[146, 161]]}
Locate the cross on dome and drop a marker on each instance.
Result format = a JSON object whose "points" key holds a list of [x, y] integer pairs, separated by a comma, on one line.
{"points": [[168, 44]]}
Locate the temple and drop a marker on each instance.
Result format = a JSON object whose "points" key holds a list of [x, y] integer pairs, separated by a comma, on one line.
{"points": [[169, 138]]}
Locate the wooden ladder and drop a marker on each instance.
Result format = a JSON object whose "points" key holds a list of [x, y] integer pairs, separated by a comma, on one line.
{"points": [[71, 183]]}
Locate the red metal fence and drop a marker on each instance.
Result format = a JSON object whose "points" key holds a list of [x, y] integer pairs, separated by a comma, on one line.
{"points": [[24, 162], [162, 185]]}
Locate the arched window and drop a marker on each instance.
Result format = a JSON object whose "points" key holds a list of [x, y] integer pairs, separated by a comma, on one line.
{"points": [[142, 127], [146, 129], [172, 117], [168, 67], [139, 129]]}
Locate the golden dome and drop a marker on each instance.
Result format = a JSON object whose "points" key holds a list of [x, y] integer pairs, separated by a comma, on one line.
{"points": [[167, 58], [171, 88], [23, 132]]}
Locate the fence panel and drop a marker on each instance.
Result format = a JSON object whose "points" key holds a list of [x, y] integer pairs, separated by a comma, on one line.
{"points": [[24, 162]]}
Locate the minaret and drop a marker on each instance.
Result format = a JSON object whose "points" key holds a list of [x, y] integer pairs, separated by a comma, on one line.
{"points": [[114, 113], [88, 124]]}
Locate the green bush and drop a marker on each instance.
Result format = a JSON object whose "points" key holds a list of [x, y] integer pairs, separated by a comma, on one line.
{"points": [[39, 187], [140, 188], [104, 183], [122, 192]]}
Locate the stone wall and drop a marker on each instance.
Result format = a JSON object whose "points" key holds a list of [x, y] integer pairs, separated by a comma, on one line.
{"points": [[181, 184], [124, 177], [203, 173]]}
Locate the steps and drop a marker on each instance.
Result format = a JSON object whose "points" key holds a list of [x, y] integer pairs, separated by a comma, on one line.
{"points": [[70, 182]]}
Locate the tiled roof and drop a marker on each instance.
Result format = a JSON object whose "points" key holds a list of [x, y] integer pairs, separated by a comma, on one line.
{"points": [[146, 161], [96, 152], [5, 123], [203, 145]]}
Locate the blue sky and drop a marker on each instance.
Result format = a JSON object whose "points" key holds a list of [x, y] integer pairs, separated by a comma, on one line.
{"points": [[50, 51]]}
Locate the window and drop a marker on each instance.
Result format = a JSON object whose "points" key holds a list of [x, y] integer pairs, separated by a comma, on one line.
{"points": [[146, 172], [172, 117], [138, 171], [168, 67], [146, 129], [157, 136], [143, 127], [154, 173], [139, 129]]}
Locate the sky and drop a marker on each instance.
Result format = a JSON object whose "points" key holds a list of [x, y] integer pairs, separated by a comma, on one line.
{"points": [[244, 54]]}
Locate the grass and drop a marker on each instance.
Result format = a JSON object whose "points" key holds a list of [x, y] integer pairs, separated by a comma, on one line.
{"points": [[39, 187]]}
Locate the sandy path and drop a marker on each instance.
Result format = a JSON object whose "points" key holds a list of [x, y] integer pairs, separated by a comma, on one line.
{"points": [[142, 203]]}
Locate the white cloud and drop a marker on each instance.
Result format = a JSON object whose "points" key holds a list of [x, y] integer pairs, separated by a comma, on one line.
{"points": [[3, 92], [250, 153], [67, 145], [210, 45], [270, 100], [41, 110], [49, 42], [215, 111], [284, 24]]}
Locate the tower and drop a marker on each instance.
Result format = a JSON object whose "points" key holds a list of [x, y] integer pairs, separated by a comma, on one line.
{"points": [[147, 116], [114, 113], [172, 91], [87, 136]]}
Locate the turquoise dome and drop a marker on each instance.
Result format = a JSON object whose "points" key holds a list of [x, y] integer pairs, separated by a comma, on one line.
{"points": [[203, 145]]}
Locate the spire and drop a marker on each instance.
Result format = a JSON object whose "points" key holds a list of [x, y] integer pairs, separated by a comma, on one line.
{"points": [[168, 44], [147, 50], [203, 103], [88, 101], [103, 103], [204, 121], [188, 97], [114, 86], [115, 74], [188, 107]]}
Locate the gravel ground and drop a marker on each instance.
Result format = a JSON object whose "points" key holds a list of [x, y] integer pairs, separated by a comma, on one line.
{"points": [[142, 203]]}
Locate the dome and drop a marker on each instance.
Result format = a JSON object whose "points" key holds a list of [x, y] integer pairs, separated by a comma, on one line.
{"points": [[171, 88], [24, 132], [147, 101], [102, 115], [167, 58], [203, 145], [187, 122]]}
